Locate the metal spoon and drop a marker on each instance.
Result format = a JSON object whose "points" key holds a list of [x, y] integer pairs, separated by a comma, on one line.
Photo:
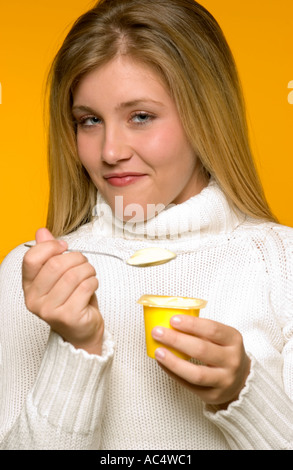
{"points": [[142, 258]]}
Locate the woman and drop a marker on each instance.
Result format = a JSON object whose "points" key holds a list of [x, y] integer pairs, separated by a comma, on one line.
{"points": [[148, 147]]}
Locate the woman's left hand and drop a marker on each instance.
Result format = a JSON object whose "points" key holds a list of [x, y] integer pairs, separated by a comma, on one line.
{"points": [[224, 365]]}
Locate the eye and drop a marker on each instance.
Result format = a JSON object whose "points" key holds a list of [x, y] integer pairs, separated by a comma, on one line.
{"points": [[88, 121], [142, 117]]}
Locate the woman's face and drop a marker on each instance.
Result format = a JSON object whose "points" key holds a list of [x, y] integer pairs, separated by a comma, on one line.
{"points": [[131, 141]]}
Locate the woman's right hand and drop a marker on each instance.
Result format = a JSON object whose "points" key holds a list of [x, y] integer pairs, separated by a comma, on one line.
{"points": [[60, 289]]}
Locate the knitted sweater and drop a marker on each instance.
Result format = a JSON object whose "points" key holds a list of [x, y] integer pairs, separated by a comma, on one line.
{"points": [[53, 396]]}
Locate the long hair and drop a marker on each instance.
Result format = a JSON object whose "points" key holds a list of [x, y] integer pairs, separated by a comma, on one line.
{"points": [[182, 42]]}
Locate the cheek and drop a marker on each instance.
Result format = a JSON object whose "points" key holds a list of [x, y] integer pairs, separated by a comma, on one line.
{"points": [[159, 147], [168, 147], [87, 151]]}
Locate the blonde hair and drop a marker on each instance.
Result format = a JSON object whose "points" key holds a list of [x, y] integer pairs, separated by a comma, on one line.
{"points": [[184, 44]]}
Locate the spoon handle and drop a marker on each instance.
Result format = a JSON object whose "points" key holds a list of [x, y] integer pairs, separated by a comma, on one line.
{"points": [[28, 245]]}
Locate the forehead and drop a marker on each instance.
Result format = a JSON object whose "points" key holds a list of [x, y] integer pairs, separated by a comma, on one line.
{"points": [[122, 78]]}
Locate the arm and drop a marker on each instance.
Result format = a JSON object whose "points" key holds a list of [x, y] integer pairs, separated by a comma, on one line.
{"points": [[241, 398], [248, 405], [262, 417], [51, 394], [64, 408]]}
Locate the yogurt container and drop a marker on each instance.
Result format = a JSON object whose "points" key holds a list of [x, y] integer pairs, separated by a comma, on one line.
{"points": [[158, 310]]}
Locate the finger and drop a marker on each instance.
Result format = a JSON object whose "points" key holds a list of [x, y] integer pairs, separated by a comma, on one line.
{"points": [[193, 374], [209, 394], [205, 351], [43, 234], [53, 270], [68, 282], [81, 297], [210, 330], [38, 255]]}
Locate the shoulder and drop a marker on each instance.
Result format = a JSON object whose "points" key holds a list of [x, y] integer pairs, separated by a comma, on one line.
{"points": [[13, 261], [278, 242], [279, 246], [282, 237], [11, 275], [268, 235], [274, 243], [11, 293], [281, 234], [14, 258], [278, 251]]}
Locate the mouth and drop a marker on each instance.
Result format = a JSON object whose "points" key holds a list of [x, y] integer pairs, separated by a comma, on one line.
{"points": [[123, 179]]}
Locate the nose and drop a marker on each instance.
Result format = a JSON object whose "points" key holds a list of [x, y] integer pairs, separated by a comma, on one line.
{"points": [[114, 145]]}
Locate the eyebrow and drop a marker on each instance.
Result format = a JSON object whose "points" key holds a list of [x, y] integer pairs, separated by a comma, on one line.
{"points": [[129, 104], [124, 105]]}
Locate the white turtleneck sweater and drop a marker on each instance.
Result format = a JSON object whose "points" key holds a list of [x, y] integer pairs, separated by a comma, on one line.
{"points": [[53, 396]]}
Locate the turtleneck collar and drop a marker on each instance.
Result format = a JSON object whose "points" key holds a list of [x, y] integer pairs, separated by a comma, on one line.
{"points": [[207, 213]]}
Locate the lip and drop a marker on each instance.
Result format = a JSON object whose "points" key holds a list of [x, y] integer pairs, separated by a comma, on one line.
{"points": [[123, 179]]}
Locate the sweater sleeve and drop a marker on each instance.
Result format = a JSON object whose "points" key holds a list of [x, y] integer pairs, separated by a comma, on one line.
{"points": [[51, 394], [262, 417]]}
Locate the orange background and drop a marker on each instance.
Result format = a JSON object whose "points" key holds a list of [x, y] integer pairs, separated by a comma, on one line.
{"points": [[261, 37]]}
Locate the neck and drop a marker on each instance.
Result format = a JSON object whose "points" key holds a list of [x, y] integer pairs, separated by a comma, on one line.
{"points": [[208, 212]]}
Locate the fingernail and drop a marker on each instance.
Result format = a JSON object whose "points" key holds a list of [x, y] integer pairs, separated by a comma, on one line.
{"points": [[157, 332], [176, 321], [62, 243], [160, 353]]}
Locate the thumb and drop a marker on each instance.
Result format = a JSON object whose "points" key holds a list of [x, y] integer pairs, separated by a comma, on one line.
{"points": [[43, 235]]}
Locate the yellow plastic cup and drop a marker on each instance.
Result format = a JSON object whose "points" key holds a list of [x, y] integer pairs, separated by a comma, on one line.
{"points": [[158, 310]]}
